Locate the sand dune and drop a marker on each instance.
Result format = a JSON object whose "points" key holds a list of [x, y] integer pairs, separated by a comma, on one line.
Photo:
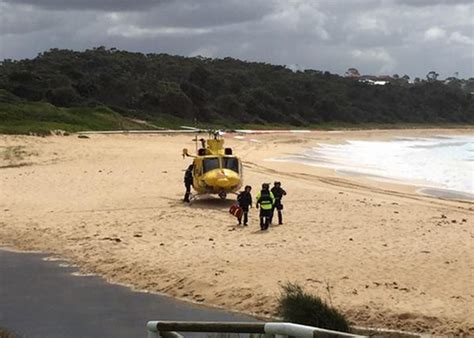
{"points": [[384, 254]]}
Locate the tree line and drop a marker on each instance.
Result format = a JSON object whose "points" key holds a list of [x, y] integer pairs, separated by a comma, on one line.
{"points": [[149, 86]]}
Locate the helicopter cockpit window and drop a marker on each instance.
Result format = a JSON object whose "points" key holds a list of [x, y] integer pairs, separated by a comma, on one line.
{"points": [[209, 164], [230, 163]]}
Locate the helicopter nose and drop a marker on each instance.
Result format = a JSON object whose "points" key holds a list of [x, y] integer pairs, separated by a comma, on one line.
{"points": [[224, 182]]}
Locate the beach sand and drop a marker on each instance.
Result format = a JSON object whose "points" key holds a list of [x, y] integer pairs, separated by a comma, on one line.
{"points": [[382, 253]]}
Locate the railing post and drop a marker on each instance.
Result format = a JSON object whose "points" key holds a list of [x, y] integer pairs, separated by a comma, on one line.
{"points": [[152, 331], [170, 334], [170, 329]]}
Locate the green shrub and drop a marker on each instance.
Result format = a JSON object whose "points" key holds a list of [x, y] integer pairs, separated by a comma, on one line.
{"points": [[7, 97], [297, 306]]}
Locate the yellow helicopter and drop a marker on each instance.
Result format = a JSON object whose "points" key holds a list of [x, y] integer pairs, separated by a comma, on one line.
{"points": [[216, 170]]}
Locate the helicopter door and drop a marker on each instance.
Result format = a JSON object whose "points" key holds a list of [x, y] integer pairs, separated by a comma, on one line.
{"points": [[197, 168]]}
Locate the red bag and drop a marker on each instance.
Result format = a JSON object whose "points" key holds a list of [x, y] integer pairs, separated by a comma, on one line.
{"points": [[236, 211]]}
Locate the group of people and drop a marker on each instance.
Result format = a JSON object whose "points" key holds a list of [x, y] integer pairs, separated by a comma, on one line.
{"points": [[268, 200]]}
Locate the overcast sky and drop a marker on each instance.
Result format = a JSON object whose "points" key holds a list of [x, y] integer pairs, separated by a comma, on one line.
{"points": [[375, 36]]}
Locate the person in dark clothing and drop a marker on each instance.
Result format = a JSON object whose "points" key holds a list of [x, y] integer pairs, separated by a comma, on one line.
{"points": [[278, 193], [188, 182], [245, 201], [265, 200]]}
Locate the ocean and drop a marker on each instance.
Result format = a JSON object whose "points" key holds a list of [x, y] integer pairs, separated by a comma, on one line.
{"points": [[440, 163]]}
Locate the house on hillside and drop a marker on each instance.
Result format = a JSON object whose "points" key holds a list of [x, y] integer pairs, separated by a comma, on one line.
{"points": [[375, 80]]}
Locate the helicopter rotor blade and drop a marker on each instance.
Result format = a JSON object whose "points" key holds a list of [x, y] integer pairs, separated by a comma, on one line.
{"points": [[217, 132]]}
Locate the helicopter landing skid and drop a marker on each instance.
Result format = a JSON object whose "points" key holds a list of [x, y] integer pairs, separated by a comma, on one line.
{"points": [[195, 197]]}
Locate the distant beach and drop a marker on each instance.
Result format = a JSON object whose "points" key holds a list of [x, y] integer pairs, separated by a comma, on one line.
{"points": [[384, 253]]}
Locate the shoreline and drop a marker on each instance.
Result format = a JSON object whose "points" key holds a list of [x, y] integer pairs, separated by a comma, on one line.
{"points": [[423, 190], [319, 156], [111, 205], [447, 194]]}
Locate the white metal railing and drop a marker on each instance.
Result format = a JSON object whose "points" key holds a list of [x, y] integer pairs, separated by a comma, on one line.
{"points": [[169, 329]]}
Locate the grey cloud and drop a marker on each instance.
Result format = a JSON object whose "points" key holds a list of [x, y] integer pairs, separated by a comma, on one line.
{"points": [[25, 20], [427, 3], [103, 5], [206, 13], [377, 37]]}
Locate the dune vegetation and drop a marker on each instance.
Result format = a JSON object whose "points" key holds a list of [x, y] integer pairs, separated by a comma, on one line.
{"points": [[112, 89]]}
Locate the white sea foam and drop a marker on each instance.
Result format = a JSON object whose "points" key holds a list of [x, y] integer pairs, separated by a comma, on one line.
{"points": [[444, 162]]}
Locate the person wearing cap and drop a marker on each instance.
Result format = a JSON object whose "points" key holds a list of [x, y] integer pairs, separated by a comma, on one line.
{"points": [[278, 192], [265, 200], [245, 201]]}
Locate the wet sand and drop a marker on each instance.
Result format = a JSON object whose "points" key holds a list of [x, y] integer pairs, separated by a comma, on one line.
{"points": [[384, 254]]}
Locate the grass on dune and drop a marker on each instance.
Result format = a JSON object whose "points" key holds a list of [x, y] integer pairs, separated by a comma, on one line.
{"points": [[41, 117], [298, 306]]}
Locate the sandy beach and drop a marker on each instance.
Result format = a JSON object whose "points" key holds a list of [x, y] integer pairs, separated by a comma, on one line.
{"points": [[384, 254]]}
